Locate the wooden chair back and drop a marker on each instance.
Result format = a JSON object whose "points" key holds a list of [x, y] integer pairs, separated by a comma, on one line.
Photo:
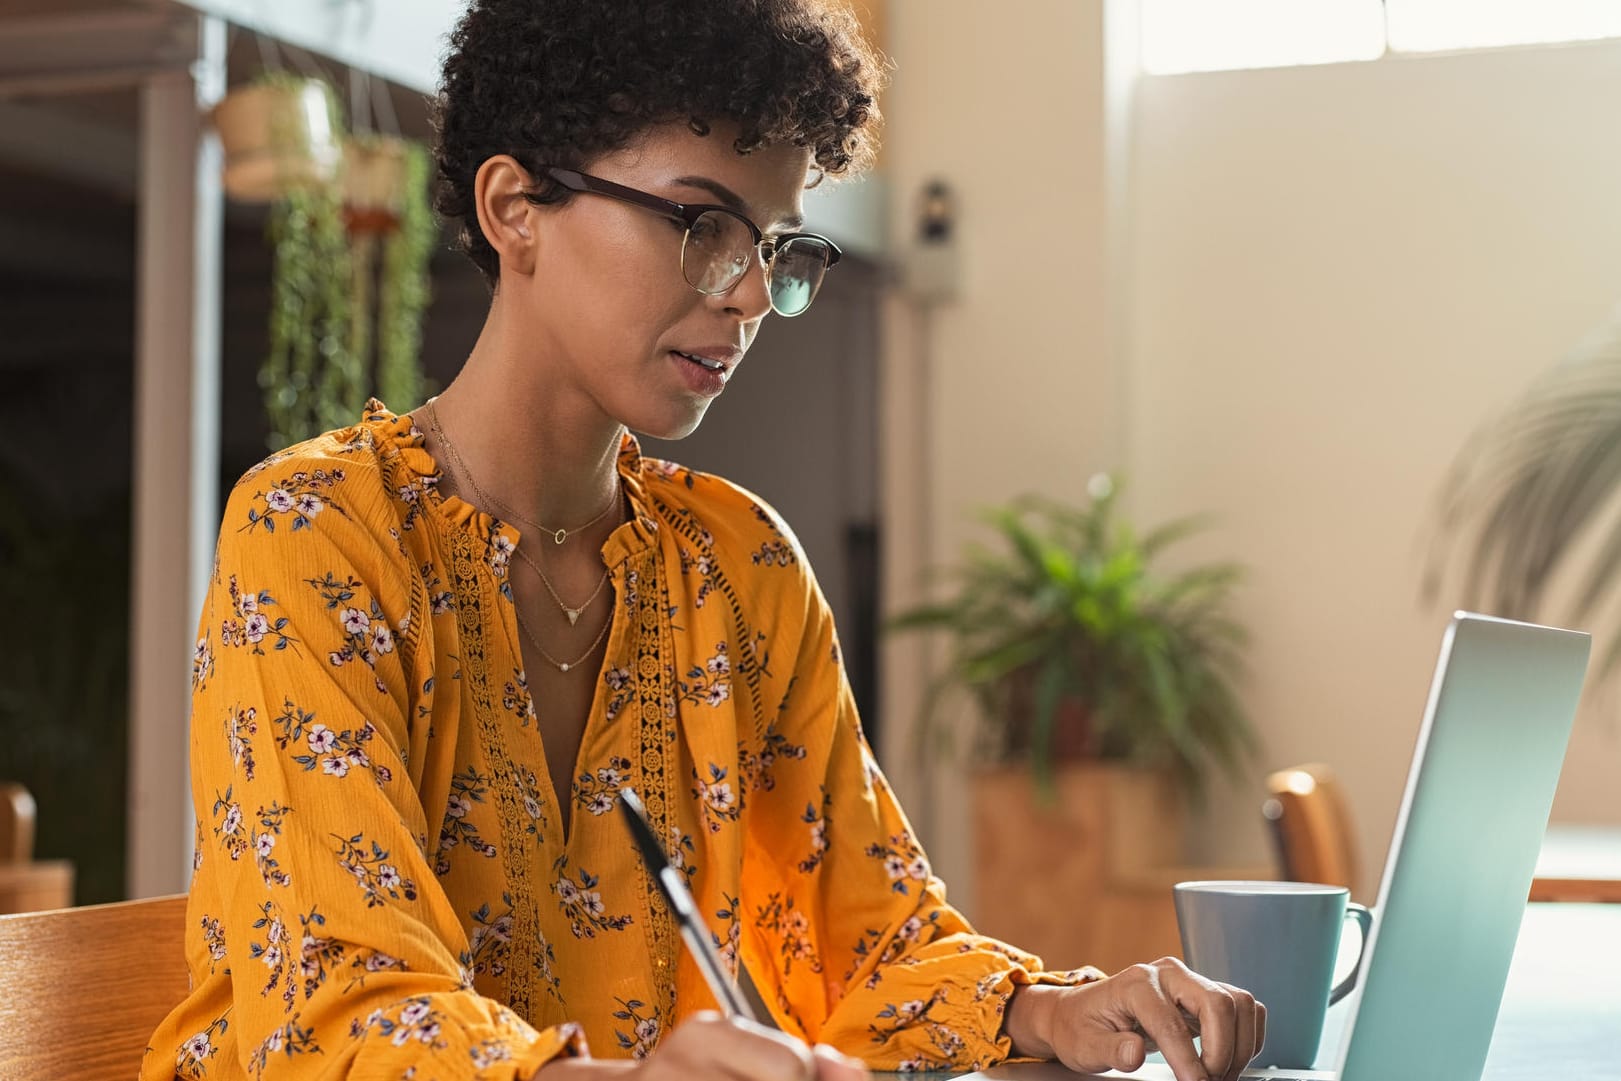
{"points": [[82, 989], [1311, 826], [16, 823]]}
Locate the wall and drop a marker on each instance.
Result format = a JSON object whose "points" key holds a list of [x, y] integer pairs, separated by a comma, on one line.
{"points": [[1340, 272], [1007, 389], [1324, 279]]}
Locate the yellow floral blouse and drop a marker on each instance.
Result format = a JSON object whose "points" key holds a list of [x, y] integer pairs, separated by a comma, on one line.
{"points": [[382, 889]]}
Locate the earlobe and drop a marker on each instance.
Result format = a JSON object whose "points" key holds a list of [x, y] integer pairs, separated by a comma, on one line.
{"points": [[504, 215]]}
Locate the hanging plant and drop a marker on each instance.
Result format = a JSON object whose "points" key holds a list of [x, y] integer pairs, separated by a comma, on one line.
{"points": [[351, 231], [279, 134], [311, 378], [405, 289], [387, 207]]}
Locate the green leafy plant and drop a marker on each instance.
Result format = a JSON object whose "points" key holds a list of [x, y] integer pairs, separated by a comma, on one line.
{"points": [[404, 291], [1531, 500], [344, 322], [311, 376], [1075, 648]]}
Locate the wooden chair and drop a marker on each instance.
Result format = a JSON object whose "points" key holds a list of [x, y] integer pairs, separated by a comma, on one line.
{"points": [[27, 884], [1311, 826], [1312, 835], [16, 823], [82, 989]]}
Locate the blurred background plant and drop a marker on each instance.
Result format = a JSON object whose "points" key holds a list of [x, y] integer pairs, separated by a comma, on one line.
{"points": [[351, 230], [1075, 647], [1528, 520]]}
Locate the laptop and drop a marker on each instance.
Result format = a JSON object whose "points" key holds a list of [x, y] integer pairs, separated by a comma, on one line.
{"points": [[1461, 860]]}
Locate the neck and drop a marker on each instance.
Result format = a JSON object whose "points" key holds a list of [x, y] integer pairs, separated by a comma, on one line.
{"points": [[526, 437]]}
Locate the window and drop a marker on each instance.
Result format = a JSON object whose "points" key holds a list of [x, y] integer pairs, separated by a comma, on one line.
{"points": [[1428, 25], [1211, 35]]}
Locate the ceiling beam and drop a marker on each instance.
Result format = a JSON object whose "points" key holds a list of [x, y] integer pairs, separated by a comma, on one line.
{"points": [[50, 54]]}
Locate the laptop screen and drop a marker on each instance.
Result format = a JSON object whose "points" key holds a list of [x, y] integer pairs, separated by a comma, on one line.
{"points": [[1464, 850]]}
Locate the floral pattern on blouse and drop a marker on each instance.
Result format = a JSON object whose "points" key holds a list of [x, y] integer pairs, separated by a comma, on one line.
{"points": [[382, 887]]}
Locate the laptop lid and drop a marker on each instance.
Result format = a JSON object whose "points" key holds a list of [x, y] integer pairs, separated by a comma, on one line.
{"points": [[1461, 858], [1464, 849]]}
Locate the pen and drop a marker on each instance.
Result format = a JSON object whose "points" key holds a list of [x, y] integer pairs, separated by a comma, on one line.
{"points": [[679, 898]]}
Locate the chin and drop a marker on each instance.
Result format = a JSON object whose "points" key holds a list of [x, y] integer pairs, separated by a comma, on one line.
{"points": [[669, 427]]}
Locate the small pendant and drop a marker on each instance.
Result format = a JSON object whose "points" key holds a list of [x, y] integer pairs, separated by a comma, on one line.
{"points": [[560, 536], [573, 615], [562, 668]]}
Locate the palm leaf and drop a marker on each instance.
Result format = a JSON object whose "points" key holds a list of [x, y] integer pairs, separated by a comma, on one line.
{"points": [[1532, 486]]}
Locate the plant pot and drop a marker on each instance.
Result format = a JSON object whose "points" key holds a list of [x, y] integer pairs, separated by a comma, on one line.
{"points": [[374, 179], [1087, 878], [278, 136], [1046, 875]]}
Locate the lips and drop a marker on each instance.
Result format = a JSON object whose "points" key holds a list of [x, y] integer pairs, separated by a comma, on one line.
{"points": [[719, 357], [706, 362]]}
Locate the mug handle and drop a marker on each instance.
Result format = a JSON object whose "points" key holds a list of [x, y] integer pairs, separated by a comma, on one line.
{"points": [[1364, 919]]}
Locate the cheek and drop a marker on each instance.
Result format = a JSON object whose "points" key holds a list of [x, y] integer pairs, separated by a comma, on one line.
{"points": [[612, 285]]}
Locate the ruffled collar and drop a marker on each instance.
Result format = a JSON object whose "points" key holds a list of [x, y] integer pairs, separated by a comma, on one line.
{"points": [[397, 434]]}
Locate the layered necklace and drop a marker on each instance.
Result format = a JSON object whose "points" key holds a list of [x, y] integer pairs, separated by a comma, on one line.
{"points": [[558, 537]]}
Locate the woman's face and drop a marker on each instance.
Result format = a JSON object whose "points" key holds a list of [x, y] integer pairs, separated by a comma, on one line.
{"points": [[607, 300]]}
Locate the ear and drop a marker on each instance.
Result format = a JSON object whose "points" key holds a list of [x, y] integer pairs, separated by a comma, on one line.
{"points": [[505, 216]]}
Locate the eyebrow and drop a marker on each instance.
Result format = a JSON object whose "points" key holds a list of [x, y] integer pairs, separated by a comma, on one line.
{"points": [[729, 198]]}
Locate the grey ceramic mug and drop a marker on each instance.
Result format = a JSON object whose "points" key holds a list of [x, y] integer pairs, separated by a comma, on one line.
{"points": [[1278, 941]]}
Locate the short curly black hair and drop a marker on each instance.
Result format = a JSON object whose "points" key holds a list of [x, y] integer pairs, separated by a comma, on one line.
{"points": [[561, 82]]}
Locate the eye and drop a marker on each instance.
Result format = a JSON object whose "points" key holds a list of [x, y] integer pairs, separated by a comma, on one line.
{"points": [[707, 227]]}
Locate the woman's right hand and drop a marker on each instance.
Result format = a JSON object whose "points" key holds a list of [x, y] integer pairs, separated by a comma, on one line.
{"points": [[708, 1045]]}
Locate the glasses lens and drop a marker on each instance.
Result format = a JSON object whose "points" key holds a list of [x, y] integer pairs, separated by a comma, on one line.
{"points": [[717, 251], [796, 274]]}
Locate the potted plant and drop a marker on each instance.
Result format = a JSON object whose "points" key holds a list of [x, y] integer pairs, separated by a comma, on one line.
{"points": [[1076, 649], [1105, 692]]}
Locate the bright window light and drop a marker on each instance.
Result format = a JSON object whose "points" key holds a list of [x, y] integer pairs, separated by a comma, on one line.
{"points": [[1206, 35], [1430, 25]]}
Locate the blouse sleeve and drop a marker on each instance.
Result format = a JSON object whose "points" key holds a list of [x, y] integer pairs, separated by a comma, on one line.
{"points": [[313, 889], [849, 934]]}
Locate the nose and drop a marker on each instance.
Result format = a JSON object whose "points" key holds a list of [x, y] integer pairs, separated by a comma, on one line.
{"points": [[750, 298]]}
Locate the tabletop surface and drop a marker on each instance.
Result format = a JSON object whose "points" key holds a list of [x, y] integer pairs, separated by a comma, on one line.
{"points": [[1580, 852], [1561, 1012]]}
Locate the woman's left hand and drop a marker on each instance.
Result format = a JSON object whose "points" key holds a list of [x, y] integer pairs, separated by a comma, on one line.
{"points": [[1113, 1024]]}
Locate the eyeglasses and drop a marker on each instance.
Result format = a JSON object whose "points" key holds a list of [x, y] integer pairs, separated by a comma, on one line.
{"points": [[720, 243]]}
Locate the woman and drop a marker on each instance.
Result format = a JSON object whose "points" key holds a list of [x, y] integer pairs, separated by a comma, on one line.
{"points": [[439, 643]]}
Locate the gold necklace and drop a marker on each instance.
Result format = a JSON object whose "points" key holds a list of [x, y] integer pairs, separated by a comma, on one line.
{"points": [[572, 613], [558, 535], [563, 666]]}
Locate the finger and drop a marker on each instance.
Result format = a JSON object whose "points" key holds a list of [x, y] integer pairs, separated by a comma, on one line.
{"points": [[1260, 1028], [833, 1065], [1130, 1053], [1106, 1050], [708, 1045], [1244, 1046], [1091, 1026], [1162, 1023], [1217, 1012]]}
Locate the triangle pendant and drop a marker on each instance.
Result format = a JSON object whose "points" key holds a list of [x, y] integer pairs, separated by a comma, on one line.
{"points": [[573, 615]]}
